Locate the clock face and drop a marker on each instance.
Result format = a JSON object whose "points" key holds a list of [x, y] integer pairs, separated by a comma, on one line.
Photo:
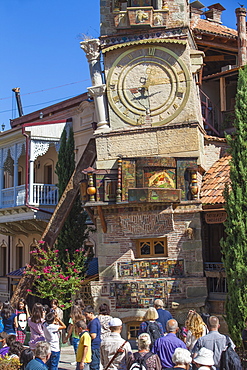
{"points": [[148, 84]]}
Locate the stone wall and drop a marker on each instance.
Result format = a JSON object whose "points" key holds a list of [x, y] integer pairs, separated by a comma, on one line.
{"points": [[177, 141], [125, 225], [178, 15], [215, 148]]}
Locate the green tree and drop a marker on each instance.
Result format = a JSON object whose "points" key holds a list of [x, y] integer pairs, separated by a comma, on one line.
{"points": [[74, 230], [234, 247]]}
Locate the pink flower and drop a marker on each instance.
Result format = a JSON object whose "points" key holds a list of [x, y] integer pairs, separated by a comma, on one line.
{"points": [[41, 242], [66, 250], [28, 290], [56, 251], [47, 269], [77, 250], [66, 278], [75, 270]]}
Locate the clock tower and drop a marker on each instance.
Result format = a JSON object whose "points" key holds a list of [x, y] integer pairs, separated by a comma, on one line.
{"points": [[150, 158]]}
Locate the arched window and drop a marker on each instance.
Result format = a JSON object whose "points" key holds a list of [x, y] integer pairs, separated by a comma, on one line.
{"points": [[3, 258], [19, 248]]}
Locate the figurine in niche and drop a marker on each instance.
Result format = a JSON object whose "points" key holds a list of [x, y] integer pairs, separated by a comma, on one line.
{"points": [[141, 16], [158, 19]]}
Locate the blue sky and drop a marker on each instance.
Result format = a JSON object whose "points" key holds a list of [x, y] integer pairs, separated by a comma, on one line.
{"points": [[40, 50]]}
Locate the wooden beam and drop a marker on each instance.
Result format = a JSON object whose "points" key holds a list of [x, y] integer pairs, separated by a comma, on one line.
{"points": [[217, 45], [222, 94], [214, 58], [90, 214], [102, 219]]}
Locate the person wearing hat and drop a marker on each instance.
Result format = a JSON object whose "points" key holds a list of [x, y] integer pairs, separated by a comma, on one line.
{"points": [[114, 350], [164, 315], [204, 359]]}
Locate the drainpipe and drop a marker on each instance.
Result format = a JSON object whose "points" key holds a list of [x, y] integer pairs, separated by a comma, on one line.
{"points": [[241, 24], [27, 161]]}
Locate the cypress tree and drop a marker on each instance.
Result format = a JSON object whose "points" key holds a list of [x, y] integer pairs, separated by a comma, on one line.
{"points": [[74, 230], [234, 247]]}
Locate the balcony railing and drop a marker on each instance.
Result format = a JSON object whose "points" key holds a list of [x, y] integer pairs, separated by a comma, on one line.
{"points": [[216, 277], [43, 194]]}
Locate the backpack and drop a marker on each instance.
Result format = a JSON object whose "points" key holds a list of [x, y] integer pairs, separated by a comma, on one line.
{"points": [[140, 361], [229, 359], [153, 330]]}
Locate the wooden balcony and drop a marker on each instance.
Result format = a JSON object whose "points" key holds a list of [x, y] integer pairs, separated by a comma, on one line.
{"points": [[41, 195]]}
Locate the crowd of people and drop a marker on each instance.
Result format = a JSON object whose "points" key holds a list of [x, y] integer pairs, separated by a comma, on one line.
{"points": [[97, 340]]}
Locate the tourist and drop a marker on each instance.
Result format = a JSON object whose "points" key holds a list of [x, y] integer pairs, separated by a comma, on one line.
{"points": [[56, 309], [152, 360], [21, 320], [196, 328], [42, 355], [15, 349], [104, 319], [214, 341], [204, 359], [84, 352], [35, 323], [182, 359], [150, 325], [1, 319], [165, 346], [26, 356], [75, 315], [51, 327], [164, 315], [94, 331], [8, 315], [114, 350], [80, 303], [7, 340]]}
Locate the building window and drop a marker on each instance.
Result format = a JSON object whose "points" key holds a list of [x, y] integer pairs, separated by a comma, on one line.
{"points": [[19, 254], [3, 259], [152, 247], [48, 174]]}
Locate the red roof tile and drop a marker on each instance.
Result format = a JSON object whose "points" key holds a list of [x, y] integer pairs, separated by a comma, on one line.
{"points": [[214, 182], [213, 28]]}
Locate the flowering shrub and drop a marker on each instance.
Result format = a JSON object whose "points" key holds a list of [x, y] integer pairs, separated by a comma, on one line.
{"points": [[51, 279], [8, 363]]}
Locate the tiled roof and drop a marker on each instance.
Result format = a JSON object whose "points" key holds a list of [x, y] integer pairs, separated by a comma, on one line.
{"points": [[17, 273], [214, 182], [206, 26], [93, 267]]}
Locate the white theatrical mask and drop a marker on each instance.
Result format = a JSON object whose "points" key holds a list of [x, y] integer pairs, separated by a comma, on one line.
{"points": [[22, 321]]}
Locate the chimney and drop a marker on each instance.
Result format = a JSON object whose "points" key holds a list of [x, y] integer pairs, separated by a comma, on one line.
{"points": [[195, 10], [241, 24], [214, 13]]}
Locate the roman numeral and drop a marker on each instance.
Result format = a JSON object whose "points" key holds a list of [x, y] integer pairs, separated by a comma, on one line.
{"points": [[151, 51]]}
